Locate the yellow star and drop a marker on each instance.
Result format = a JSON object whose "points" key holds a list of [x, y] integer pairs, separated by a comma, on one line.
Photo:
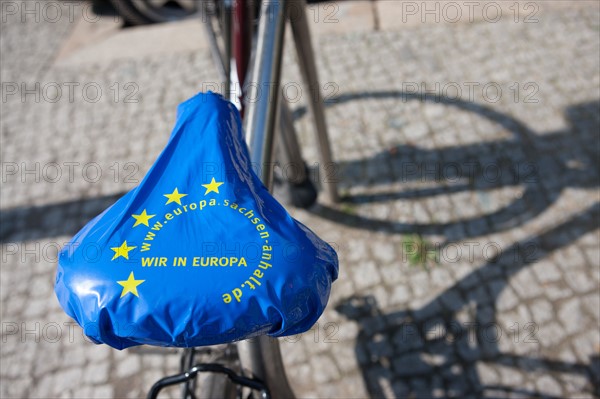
{"points": [[130, 285], [123, 251], [174, 197], [213, 186], [142, 218]]}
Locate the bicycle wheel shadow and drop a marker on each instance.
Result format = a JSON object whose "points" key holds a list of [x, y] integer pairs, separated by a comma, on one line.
{"points": [[523, 160], [432, 352]]}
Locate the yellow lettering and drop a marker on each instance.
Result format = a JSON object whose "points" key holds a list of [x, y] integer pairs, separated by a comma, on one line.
{"points": [[147, 261], [179, 261], [258, 273], [150, 236], [153, 261], [256, 281], [264, 265], [237, 293]]}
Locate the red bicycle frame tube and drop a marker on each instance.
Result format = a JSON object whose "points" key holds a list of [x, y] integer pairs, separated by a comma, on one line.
{"points": [[243, 17]]}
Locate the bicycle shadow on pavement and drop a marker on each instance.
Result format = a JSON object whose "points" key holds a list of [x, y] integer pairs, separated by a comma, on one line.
{"points": [[523, 160], [542, 176], [433, 351], [52, 220]]}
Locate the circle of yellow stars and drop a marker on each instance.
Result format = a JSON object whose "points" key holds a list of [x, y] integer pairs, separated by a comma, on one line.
{"points": [[131, 284]]}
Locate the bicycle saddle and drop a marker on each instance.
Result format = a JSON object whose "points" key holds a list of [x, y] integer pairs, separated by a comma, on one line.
{"points": [[199, 253]]}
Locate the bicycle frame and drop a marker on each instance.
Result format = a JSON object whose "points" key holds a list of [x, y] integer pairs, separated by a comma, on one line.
{"points": [[261, 356]]}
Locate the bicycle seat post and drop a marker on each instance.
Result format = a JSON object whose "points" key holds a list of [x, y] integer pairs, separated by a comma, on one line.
{"points": [[262, 113], [262, 355]]}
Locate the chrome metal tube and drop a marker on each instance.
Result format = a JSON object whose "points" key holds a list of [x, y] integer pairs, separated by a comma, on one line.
{"points": [[261, 355], [263, 90], [226, 25]]}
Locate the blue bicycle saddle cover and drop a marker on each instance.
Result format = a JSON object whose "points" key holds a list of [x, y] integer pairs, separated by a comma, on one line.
{"points": [[199, 253]]}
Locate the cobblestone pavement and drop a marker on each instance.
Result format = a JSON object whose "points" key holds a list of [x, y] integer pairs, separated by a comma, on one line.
{"points": [[468, 237]]}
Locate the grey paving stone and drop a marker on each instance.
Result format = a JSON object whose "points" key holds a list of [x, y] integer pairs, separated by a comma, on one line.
{"points": [[96, 373], [551, 335], [570, 315], [542, 311], [400, 294], [324, 369], [367, 276], [410, 365], [580, 282], [558, 291]]}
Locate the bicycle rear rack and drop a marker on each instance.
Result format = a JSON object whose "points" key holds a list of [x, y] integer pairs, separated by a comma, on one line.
{"points": [[189, 375]]}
